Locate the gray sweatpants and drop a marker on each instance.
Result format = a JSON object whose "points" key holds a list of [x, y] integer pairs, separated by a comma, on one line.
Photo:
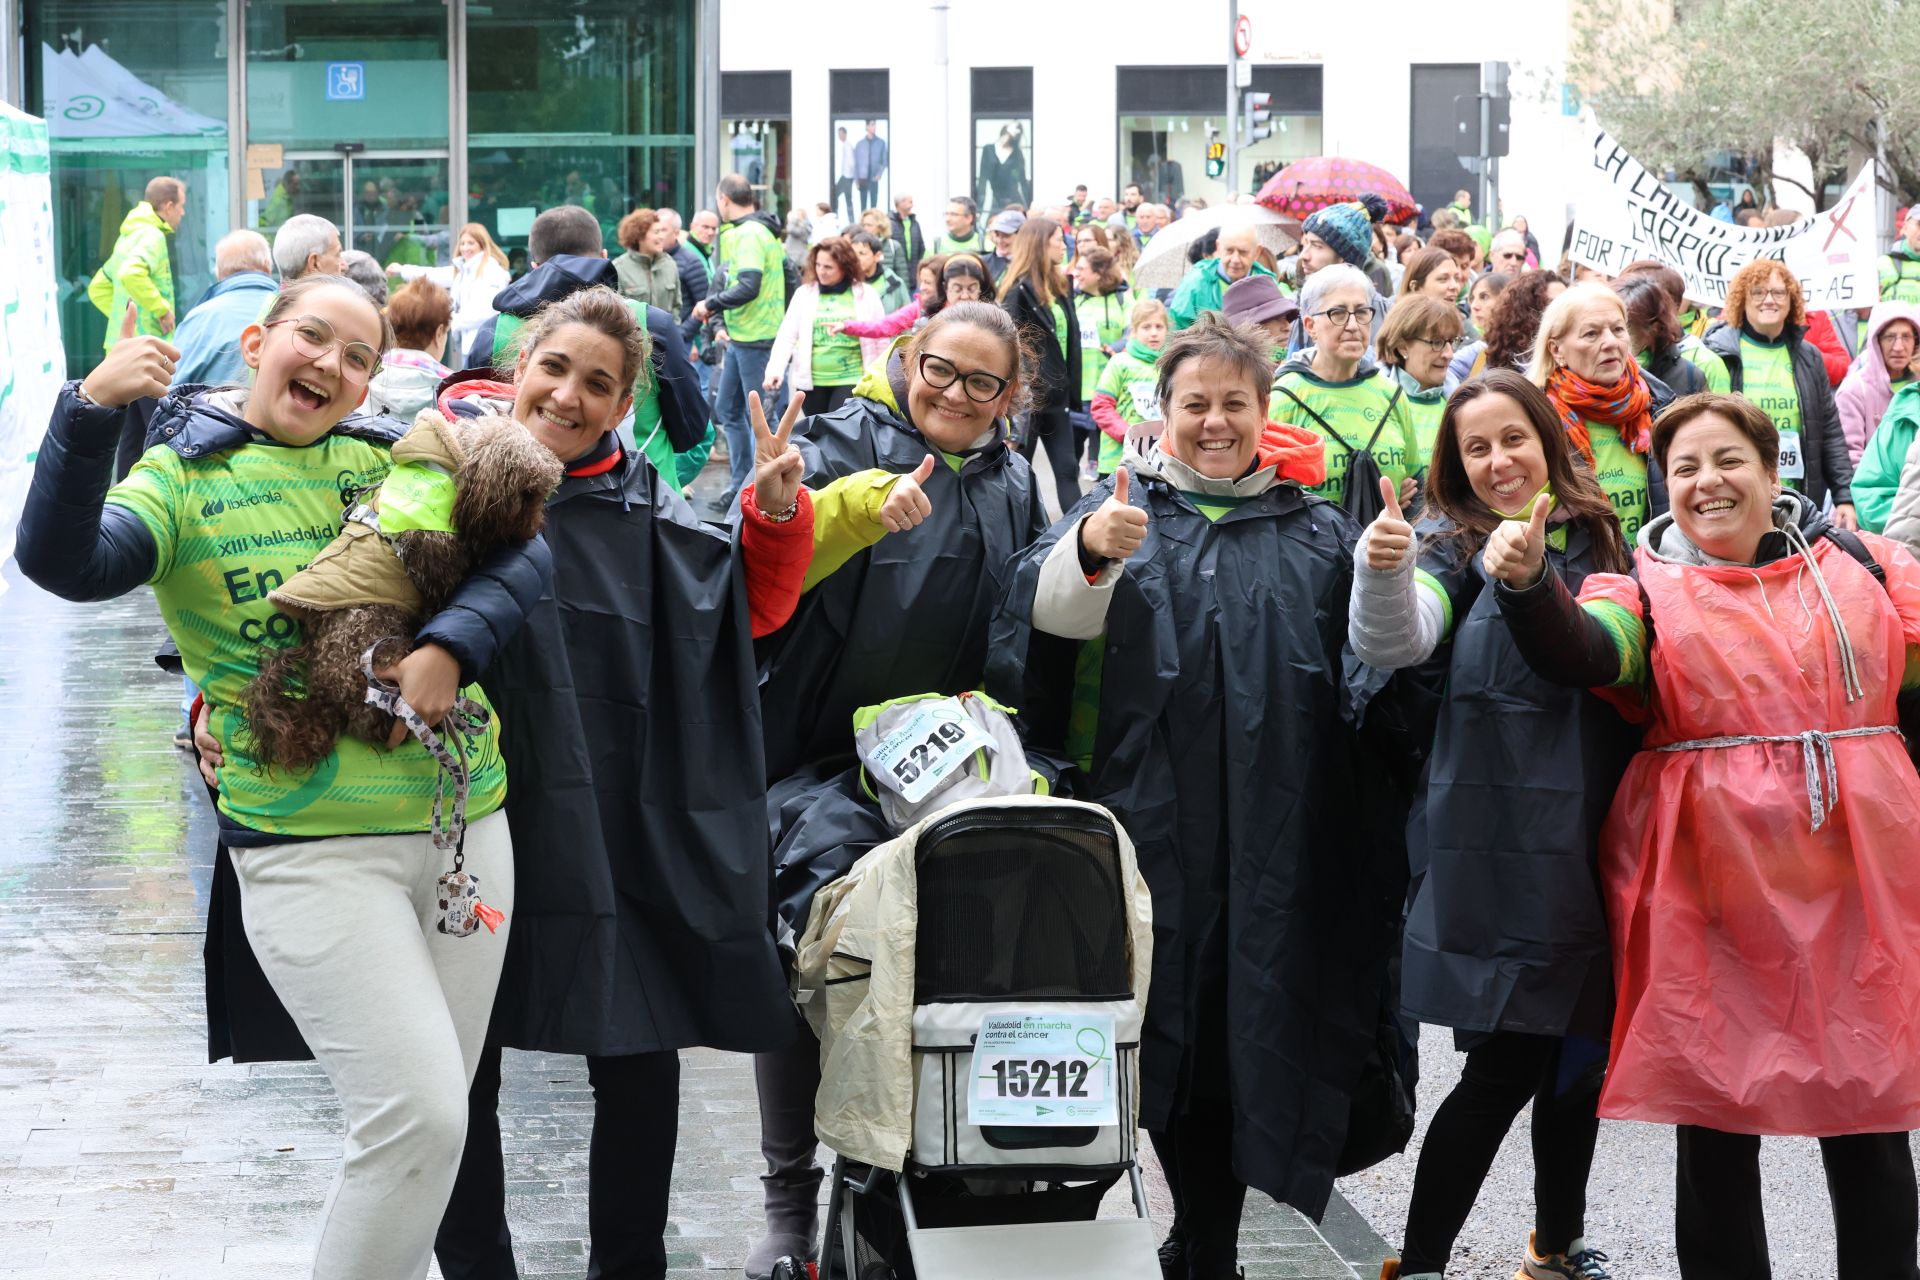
{"points": [[394, 1011]]}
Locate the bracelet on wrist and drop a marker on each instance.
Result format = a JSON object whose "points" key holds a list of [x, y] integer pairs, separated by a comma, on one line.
{"points": [[783, 516]]}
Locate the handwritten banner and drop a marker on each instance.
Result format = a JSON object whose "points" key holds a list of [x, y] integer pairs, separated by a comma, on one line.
{"points": [[1624, 213]]}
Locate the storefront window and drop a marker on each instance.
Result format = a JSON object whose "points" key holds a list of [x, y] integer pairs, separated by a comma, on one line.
{"points": [[588, 103], [1003, 162], [130, 93], [862, 172], [320, 73], [761, 152]]}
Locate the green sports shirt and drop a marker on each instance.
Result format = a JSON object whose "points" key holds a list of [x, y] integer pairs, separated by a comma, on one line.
{"points": [[227, 530]]}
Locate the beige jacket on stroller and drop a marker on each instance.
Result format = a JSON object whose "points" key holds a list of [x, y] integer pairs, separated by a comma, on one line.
{"points": [[863, 926]]}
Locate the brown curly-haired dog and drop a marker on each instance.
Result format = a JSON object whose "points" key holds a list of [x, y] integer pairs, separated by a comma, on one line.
{"points": [[373, 587]]}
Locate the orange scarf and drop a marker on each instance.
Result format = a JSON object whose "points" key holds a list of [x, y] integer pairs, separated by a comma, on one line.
{"points": [[1623, 406]]}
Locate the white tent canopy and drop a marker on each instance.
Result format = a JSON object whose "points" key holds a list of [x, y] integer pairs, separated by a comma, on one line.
{"points": [[89, 95]]}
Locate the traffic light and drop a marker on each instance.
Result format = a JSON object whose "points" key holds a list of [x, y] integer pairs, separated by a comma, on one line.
{"points": [[1216, 159], [1256, 113], [1499, 124]]}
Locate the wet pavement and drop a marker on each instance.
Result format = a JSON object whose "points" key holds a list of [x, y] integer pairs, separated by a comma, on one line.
{"points": [[124, 1155]]}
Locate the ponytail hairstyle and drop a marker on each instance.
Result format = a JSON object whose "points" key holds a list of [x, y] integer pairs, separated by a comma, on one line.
{"points": [[599, 309], [1450, 493]]}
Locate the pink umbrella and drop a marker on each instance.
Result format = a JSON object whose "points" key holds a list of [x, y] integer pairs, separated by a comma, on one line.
{"points": [[1309, 185]]}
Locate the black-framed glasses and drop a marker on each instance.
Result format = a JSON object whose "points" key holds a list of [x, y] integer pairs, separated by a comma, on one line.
{"points": [[981, 387], [1341, 317], [1439, 344], [313, 338], [1770, 295]]}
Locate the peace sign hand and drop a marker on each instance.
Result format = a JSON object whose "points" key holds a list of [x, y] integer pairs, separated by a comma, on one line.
{"points": [[1389, 536], [778, 465], [138, 367], [1517, 550]]}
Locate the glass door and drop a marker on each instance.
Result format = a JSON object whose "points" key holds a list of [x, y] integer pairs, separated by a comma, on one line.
{"points": [[390, 204]]}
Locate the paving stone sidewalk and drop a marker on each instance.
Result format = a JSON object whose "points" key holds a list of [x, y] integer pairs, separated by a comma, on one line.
{"points": [[123, 1154]]}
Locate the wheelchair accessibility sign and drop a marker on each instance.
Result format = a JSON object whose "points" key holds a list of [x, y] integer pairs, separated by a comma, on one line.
{"points": [[1044, 1069], [346, 81]]}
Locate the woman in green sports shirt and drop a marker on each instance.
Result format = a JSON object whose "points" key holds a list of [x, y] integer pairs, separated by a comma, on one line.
{"points": [[1336, 391], [1416, 343], [811, 352], [1762, 337], [337, 870], [1101, 301]]}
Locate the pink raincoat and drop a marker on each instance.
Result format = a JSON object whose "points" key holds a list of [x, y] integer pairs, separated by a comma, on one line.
{"points": [[1764, 898], [1863, 397]]}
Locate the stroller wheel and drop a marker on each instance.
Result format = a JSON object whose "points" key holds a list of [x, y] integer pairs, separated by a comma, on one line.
{"points": [[788, 1269]]}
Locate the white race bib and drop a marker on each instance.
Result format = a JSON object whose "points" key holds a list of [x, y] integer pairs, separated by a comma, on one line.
{"points": [[1044, 1069], [1146, 400], [1793, 463], [935, 740], [1089, 334]]}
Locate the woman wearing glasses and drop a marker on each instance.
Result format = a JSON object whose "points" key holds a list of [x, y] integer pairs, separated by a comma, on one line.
{"points": [[1415, 344], [1762, 336], [1334, 390], [337, 869], [920, 452]]}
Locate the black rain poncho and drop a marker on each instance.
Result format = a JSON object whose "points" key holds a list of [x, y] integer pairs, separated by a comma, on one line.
{"points": [[1507, 931], [1270, 831], [629, 714], [909, 614]]}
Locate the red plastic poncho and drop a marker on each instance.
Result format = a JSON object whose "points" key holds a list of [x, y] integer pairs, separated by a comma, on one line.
{"points": [[1768, 973]]}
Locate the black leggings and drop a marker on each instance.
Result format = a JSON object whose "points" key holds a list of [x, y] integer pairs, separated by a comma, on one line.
{"points": [[1196, 1154], [1500, 1075], [823, 400], [1721, 1231], [636, 1125], [1054, 429]]}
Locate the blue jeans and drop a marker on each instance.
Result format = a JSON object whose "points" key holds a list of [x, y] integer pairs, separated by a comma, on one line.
{"points": [[741, 372]]}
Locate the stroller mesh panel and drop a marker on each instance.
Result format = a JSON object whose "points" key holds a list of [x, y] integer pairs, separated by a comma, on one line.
{"points": [[1010, 909]]}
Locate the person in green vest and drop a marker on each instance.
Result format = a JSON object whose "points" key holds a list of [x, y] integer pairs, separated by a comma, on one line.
{"points": [[963, 229], [1126, 404], [870, 251], [1335, 391], [750, 292], [1762, 337], [1877, 480], [1101, 304], [1900, 268], [1206, 283], [813, 356], [139, 270], [1415, 345]]}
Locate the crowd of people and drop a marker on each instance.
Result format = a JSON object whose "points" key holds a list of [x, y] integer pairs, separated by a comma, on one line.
{"points": [[1461, 640]]}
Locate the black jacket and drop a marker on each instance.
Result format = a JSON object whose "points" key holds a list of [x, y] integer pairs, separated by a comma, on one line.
{"points": [[1507, 929], [1682, 376], [1235, 739], [552, 280], [908, 614], [1829, 467], [1057, 385], [691, 262], [630, 722], [683, 409], [913, 240]]}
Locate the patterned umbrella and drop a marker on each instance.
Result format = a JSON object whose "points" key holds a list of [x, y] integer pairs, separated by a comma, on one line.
{"points": [[1306, 186]]}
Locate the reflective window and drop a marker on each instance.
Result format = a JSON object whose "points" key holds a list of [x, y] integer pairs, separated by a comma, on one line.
{"points": [[323, 72], [589, 102], [130, 93]]}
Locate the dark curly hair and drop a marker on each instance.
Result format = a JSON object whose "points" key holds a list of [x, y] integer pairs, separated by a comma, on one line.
{"points": [[840, 249], [1515, 319]]}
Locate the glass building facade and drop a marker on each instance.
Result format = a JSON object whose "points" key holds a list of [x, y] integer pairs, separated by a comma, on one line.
{"points": [[399, 120]]}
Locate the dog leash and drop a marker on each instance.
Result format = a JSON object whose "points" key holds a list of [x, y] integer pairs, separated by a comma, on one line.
{"points": [[461, 910]]}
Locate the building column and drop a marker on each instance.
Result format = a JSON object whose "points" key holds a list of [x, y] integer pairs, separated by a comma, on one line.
{"points": [[707, 165]]}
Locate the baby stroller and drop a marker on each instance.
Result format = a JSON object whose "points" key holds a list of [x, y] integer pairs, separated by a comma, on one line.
{"points": [[978, 985]]}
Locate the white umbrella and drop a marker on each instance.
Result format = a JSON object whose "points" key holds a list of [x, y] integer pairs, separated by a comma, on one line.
{"points": [[1163, 262]]}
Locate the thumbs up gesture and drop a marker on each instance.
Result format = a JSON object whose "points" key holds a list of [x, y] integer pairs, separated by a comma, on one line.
{"points": [[1116, 530], [906, 505], [1517, 550], [1390, 535], [135, 368]]}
